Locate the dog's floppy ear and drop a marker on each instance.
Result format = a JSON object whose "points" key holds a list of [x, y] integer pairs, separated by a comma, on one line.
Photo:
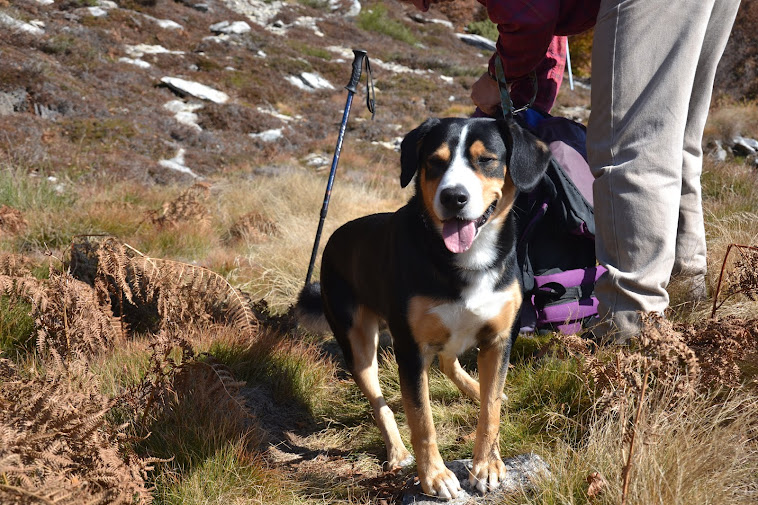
{"points": [[409, 150], [528, 157]]}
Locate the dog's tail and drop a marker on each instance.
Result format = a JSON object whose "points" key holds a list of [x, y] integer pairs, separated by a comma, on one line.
{"points": [[309, 310]]}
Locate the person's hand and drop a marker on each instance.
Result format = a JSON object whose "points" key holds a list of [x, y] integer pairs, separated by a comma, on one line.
{"points": [[486, 95]]}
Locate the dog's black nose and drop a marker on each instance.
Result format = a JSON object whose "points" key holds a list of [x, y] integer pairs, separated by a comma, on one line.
{"points": [[454, 198]]}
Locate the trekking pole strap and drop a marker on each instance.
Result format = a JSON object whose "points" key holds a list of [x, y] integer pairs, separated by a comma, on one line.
{"points": [[355, 77]]}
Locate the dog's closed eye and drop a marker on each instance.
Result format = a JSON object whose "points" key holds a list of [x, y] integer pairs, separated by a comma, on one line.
{"points": [[436, 165]]}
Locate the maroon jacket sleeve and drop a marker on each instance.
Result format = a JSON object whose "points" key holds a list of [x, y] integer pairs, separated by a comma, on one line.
{"points": [[527, 43]]}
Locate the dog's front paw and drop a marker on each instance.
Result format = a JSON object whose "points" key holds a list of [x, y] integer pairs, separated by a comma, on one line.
{"points": [[399, 458], [487, 475], [440, 482]]}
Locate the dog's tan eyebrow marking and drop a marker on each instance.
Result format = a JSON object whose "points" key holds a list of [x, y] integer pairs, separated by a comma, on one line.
{"points": [[442, 153], [478, 150]]}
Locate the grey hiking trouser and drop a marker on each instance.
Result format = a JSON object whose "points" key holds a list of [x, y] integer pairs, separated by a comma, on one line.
{"points": [[653, 67]]}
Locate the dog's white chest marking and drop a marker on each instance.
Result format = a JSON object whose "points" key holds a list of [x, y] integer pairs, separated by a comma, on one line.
{"points": [[479, 304]]}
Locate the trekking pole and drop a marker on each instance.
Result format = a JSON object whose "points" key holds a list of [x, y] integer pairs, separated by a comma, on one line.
{"points": [[355, 78], [568, 65]]}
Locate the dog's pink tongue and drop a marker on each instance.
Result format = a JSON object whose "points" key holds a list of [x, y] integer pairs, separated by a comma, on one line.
{"points": [[458, 235]]}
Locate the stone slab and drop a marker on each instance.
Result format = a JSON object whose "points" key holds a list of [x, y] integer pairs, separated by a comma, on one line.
{"points": [[523, 473]]}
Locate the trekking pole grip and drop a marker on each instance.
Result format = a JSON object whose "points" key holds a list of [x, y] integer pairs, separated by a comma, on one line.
{"points": [[355, 78]]}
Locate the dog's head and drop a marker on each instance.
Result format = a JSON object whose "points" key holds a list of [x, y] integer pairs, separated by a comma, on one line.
{"points": [[469, 171]]}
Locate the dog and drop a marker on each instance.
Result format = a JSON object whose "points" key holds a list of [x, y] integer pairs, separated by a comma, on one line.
{"points": [[442, 273]]}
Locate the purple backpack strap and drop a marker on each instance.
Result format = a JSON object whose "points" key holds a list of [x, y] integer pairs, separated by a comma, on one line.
{"points": [[577, 277], [565, 317]]}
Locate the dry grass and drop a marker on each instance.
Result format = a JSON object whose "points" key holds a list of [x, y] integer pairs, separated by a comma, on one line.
{"points": [[658, 430], [293, 203], [699, 449], [731, 118]]}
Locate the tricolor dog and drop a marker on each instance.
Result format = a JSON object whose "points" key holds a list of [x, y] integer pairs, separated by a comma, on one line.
{"points": [[441, 272]]}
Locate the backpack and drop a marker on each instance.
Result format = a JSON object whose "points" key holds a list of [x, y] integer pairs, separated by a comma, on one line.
{"points": [[556, 233]]}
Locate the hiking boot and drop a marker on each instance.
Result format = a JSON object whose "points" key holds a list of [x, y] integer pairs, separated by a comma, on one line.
{"points": [[688, 289]]}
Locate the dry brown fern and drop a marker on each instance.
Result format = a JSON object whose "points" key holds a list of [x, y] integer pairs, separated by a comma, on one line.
{"points": [[189, 206], [14, 265], [177, 375], [55, 445], [720, 345], [74, 322], [12, 221], [253, 226], [659, 355], [184, 294], [25, 287], [70, 319], [741, 278], [659, 370]]}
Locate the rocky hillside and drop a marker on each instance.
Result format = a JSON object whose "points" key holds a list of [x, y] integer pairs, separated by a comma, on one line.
{"points": [[737, 76], [97, 87]]}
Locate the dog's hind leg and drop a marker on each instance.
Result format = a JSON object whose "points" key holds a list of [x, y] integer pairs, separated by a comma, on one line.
{"points": [[364, 339], [452, 368]]}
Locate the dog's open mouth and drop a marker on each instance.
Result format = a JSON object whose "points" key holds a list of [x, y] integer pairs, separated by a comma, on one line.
{"points": [[459, 234]]}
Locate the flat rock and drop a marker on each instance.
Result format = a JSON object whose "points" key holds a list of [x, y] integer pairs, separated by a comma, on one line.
{"points": [[139, 50], [198, 6], [420, 18], [260, 12], [268, 135], [166, 24], [393, 144], [177, 164], [231, 28], [477, 41], [135, 61], [309, 81], [744, 146], [523, 472], [13, 101], [717, 151], [95, 12], [201, 91], [184, 112], [19, 26]]}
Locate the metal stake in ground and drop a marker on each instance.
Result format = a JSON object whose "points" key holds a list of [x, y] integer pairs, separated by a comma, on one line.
{"points": [[355, 78]]}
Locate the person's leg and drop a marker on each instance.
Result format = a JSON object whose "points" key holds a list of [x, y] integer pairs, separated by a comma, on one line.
{"points": [[645, 56], [690, 260]]}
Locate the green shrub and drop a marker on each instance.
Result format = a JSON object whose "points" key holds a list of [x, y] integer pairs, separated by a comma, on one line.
{"points": [[24, 192], [16, 328], [377, 20], [294, 371], [315, 4], [484, 28], [230, 475]]}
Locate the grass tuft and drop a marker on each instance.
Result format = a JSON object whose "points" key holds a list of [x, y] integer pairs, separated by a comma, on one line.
{"points": [[296, 372], [16, 328], [377, 19], [230, 475], [485, 28]]}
